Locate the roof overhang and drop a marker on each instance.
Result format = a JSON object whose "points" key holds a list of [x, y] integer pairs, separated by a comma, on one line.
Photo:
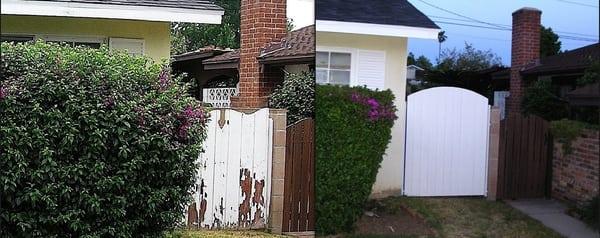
{"points": [[288, 60], [274, 61], [552, 71], [376, 29], [222, 65], [197, 55], [415, 67], [110, 11], [588, 95]]}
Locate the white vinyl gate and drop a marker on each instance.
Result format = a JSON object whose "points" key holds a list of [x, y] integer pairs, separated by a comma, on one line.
{"points": [[446, 143], [233, 185]]}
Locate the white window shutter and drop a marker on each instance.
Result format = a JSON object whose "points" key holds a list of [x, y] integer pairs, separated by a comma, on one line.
{"points": [[132, 46], [371, 69]]}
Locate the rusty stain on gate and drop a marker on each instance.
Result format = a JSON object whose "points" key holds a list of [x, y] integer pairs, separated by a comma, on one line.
{"points": [[234, 176], [246, 186]]}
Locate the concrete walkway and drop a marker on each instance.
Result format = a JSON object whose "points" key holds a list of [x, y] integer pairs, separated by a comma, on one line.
{"points": [[552, 214]]}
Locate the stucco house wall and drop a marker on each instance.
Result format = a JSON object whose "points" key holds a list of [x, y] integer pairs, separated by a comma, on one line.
{"points": [[390, 176], [156, 35]]}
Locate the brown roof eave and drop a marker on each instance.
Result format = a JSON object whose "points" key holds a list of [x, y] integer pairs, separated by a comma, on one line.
{"points": [[228, 64], [186, 57], [584, 100], [286, 60], [588, 95], [231, 65], [220, 61], [534, 72]]}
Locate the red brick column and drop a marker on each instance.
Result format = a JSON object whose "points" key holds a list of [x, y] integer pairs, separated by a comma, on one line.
{"points": [[525, 50], [262, 22]]}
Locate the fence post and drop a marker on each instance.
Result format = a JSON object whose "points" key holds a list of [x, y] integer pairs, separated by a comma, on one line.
{"points": [[493, 154], [279, 117]]}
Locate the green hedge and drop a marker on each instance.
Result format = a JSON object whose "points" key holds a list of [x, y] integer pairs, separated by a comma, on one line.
{"points": [[297, 95], [540, 99], [353, 129], [93, 143]]}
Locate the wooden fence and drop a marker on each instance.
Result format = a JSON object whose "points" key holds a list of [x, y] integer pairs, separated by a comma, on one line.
{"points": [[525, 157], [298, 207]]}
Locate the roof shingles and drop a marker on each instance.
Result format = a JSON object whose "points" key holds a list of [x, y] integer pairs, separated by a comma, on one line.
{"points": [[298, 43], [298, 46], [574, 60], [229, 57], [394, 12]]}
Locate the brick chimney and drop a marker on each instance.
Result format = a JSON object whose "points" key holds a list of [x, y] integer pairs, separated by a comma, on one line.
{"points": [[525, 50], [262, 22]]}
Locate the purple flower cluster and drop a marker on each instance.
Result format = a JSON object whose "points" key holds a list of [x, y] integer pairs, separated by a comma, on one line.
{"points": [[3, 92], [109, 102], [188, 118], [141, 116], [164, 79], [376, 110]]}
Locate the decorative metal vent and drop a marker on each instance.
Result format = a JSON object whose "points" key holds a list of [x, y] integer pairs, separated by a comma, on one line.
{"points": [[219, 97]]}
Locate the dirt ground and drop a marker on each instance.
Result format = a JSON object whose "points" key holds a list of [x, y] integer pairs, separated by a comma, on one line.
{"points": [[447, 217], [391, 224], [380, 221]]}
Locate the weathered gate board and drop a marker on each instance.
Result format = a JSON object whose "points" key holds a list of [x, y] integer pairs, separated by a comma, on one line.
{"points": [[234, 176], [447, 132], [524, 159], [299, 197]]}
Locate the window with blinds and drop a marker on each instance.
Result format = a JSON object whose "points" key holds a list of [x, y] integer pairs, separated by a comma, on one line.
{"points": [[131, 46]]}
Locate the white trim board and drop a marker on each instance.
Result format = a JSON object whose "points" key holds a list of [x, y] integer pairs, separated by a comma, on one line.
{"points": [[376, 29], [87, 10]]}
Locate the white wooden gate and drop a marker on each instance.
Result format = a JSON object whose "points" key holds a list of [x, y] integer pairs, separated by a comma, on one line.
{"points": [[234, 180], [446, 143]]}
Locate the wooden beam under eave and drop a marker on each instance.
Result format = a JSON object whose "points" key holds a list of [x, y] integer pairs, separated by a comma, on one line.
{"points": [[230, 65]]}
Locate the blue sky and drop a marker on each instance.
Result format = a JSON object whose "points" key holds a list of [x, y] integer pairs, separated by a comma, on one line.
{"points": [[566, 16]]}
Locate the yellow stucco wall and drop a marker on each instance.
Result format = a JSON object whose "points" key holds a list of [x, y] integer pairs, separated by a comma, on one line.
{"points": [[390, 176], [155, 34]]}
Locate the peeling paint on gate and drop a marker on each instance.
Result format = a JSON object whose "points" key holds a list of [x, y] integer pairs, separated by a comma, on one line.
{"points": [[202, 211], [202, 198], [246, 188], [233, 181], [192, 220], [258, 201]]}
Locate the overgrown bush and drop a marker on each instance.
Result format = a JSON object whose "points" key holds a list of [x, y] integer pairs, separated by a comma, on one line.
{"points": [[591, 74], [353, 129], [297, 95], [541, 99], [93, 143], [566, 131]]}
